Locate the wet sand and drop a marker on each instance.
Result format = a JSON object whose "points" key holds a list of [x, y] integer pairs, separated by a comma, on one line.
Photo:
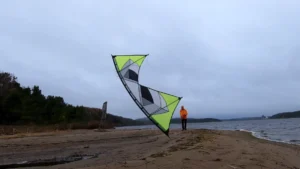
{"points": [[138, 149]]}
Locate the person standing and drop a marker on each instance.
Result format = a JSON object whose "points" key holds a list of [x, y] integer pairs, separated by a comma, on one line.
{"points": [[183, 115]]}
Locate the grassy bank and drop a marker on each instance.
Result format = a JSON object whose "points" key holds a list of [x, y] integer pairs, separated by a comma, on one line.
{"points": [[23, 129]]}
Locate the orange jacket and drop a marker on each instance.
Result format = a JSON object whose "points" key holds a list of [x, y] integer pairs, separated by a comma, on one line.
{"points": [[183, 113]]}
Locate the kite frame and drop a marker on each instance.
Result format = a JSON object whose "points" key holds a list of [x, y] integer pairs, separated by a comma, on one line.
{"points": [[135, 99]]}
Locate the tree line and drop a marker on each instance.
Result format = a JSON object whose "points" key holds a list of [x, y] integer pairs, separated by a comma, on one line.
{"points": [[295, 114], [24, 105], [27, 105]]}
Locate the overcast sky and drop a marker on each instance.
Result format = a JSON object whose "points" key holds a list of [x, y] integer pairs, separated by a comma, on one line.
{"points": [[226, 59]]}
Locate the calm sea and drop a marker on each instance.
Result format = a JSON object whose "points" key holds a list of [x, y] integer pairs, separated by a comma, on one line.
{"points": [[280, 130]]}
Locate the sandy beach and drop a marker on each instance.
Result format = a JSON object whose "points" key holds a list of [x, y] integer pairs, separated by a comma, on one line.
{"points": [[138, 149]]}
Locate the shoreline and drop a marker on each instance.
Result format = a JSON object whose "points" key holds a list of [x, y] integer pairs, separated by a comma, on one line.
{"points": [[147, 148], [253, 133], [262, 138], [33, 129], [240, 130], [277, 130]]}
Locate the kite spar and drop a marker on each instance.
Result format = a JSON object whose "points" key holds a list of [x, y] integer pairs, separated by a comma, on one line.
{"points": [[158, 106]]}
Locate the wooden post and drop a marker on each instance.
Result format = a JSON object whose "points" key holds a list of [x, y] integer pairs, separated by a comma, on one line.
{"points": [[103, 115], [1, 85]]}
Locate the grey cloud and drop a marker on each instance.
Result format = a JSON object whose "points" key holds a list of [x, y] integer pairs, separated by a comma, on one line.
{"points": [[227, 59]]}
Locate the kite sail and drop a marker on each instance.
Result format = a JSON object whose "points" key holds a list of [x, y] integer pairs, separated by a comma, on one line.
{"points": [[158, 106]]}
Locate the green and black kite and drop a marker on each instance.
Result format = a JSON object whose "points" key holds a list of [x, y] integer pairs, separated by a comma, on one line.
{"points": [[158, 106]]}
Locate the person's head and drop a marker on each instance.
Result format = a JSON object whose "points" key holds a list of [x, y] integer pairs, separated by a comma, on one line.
{"points": [[182, 107]]}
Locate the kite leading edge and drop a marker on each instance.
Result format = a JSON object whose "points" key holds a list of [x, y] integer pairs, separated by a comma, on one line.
{"points": [[158, 106]]}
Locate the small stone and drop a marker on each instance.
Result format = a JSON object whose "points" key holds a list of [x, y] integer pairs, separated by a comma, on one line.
{"points": [[217, 159]]}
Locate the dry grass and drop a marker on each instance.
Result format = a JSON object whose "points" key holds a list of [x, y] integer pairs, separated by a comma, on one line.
{"points": [[27, 129]]}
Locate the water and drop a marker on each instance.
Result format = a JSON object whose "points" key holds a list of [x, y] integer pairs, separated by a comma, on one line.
{"points": [[280, 130]]}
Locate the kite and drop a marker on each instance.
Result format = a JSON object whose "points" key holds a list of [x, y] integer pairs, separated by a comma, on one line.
{"points": [[158, 106]]}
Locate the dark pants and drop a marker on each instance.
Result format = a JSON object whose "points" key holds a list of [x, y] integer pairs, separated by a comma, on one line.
{"points": [[183, 122]]}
